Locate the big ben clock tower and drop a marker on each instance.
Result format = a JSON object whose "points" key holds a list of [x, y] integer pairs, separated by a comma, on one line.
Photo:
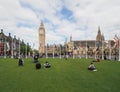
{"points": [[41, 39]]}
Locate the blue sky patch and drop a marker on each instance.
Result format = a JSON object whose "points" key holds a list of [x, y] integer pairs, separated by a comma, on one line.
{"points": [[66, 13], [24, 25], [25, 5]]}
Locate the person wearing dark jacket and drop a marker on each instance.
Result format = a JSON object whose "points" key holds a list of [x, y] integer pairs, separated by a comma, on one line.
{"points": [[38, 65], [35, 58], [20, 62]]}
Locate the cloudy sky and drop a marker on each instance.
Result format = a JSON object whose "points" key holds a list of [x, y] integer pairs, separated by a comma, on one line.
{"points": [[62, 18]]}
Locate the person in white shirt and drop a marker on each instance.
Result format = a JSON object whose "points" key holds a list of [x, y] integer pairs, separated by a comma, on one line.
{"points": [[91, 67], [47, 65]]}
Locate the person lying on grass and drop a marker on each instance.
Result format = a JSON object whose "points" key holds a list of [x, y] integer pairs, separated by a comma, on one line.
{"points": [[47, 65], [92, 67], [97, 60]]}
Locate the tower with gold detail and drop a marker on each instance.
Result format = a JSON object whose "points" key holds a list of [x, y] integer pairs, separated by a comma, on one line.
{"points": [[99, 35], [41, 39]]}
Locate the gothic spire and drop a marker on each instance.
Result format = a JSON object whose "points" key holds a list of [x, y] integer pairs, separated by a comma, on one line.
{"points": [[41, 25], [99, 29], [70, 38]]}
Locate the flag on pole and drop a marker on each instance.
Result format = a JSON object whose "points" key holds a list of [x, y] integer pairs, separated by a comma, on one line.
{"points": [[14, 45], [5, 48], [8, 46], [12, 49], [115, 41], [107, 44], [47, 51], [119, 48]]}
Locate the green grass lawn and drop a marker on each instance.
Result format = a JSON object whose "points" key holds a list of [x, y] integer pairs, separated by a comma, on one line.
{"points": [[64, 76]]}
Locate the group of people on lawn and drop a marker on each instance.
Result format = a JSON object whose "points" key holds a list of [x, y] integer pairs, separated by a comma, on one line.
{"points": [[37, 63], [48, 65]]}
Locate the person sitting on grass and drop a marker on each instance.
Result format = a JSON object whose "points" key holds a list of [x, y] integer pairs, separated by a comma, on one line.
{"points": [[97, 60], [35, 58], [20, 63], [47, 65], [38, 65], [92, 67]]}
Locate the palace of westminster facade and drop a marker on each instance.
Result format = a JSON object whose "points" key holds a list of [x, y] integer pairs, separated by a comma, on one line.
{"points": [[81, 47], [78, 48]]}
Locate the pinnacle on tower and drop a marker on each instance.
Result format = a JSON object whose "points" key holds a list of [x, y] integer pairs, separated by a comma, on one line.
{"points": [[41, 24], [99, 36], [1, 30], [99, 29]]}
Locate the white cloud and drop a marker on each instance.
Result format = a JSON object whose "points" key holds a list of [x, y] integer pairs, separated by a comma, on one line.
{"points": [[22, 18]]}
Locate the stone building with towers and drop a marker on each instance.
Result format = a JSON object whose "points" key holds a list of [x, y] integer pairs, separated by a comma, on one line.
{"points": [[76, 47], [10, 46], [89, 47], [41, 33]]}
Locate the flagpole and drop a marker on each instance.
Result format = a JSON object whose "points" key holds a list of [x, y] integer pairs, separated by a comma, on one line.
{"points": [[95, 49], [119, 49], [60, 51], [26, 50], [5, 48], [73, 51], [19, 47], [53, 52], [12, 49], [33, 50], [46, 52], [0, 46], [86, 50], [80, 51], [102, 51], [110, 50]]}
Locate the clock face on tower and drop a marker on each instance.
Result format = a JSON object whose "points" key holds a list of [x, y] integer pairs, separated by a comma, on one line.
{"points": [[41, 32]]}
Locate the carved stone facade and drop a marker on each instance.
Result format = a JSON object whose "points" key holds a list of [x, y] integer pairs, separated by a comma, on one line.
{"points": [[90, 47], [79, 48], [41, 39], [9, 45]]}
